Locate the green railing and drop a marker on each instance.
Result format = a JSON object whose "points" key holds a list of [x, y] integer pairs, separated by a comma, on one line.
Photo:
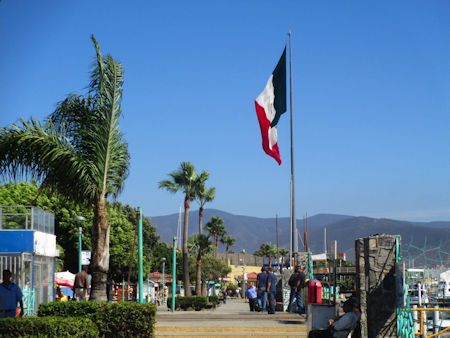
{"points": [[28, 301], [405, 322], [310, 266], [328, 292]]}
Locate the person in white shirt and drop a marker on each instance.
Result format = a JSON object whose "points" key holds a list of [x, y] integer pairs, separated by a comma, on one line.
{"points": [[341, 327]]}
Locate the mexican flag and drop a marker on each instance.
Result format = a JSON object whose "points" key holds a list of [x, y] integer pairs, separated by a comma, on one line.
{"points": [[270, 104]]}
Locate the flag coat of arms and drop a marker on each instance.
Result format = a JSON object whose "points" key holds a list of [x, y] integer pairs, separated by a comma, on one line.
{"points": [[270, 104]]}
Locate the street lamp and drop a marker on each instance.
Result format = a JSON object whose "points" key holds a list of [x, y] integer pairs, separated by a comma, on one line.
{"points": [[80, 230], [163, 279], [243, 274]]}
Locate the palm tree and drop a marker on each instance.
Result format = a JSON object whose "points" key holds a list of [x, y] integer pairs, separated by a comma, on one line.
{"points": [[200, 244], [186, 179], [80, 152], [203, 196], [283, 253], [216, 229], [228, 241], [269, 251]]}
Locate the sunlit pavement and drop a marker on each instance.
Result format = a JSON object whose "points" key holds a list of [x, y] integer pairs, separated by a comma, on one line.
{"points": [[232, 319]]}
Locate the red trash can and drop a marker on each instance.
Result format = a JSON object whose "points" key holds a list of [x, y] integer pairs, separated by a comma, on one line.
{"points": [[315, 292]]}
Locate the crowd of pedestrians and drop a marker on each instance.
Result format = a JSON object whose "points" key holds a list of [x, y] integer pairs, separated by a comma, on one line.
{"points": [[261, 297]]}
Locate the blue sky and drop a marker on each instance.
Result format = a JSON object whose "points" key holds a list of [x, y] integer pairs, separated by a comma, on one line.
{"points": [[371, 96]]}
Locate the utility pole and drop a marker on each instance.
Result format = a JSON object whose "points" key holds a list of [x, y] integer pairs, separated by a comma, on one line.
{"points": [[174, 273], [140, 259], [163, 279], [276, 226]]}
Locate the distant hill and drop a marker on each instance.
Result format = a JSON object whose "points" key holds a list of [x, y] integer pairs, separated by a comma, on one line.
{"points": [[250, 232]]}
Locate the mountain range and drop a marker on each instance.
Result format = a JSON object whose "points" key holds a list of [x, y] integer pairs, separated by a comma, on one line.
{"points": [[423, 243]]}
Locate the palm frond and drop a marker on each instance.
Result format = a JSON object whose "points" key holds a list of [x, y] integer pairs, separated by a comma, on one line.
{"points": [[108, 151], [47, 155], [170, 186]]}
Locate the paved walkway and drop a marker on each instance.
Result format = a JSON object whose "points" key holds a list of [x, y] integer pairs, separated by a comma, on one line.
{"points": [[232, 319]]}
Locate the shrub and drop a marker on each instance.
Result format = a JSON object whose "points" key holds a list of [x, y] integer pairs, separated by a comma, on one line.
{"points": [[48, 327], [169, 303], [214, 300], [195, 302], [112, 320]]}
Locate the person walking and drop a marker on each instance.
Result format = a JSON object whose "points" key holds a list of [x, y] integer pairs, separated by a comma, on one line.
{"points": [[81, 284], [297, 282], [250, 293], [261, 287], [224, 294], [10, 295], [271, 289]]}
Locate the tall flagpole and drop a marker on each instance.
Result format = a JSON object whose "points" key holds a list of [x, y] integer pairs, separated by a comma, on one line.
{"points": [[291, 101]]}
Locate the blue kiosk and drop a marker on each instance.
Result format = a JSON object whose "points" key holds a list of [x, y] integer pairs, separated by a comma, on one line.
{"points": [[28, 250]]}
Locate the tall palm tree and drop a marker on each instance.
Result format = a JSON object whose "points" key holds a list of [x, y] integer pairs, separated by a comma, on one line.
{"points": [[203, 196], [228, 241], [78, 151], [200, 244], [216, 229], [186, 179]]}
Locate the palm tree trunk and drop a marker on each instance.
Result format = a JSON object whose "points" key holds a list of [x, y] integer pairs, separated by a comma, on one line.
{"points": [[100, 251], [216, 243], [186, 281], [226, 254], [200, 217], [270, 261], [198, 281], [203, 288]]}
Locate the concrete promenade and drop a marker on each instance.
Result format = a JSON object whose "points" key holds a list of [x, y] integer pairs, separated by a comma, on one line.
{"points": [[232, 319]]}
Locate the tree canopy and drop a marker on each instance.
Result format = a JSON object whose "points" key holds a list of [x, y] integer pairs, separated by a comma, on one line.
{"points": [[79, 152]]}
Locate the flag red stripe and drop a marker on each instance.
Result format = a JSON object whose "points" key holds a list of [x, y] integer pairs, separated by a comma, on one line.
{"points": [[264, 125]]}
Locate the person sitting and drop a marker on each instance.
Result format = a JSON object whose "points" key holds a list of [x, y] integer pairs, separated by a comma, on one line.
{"points": [[341, 327], [63, 297]]}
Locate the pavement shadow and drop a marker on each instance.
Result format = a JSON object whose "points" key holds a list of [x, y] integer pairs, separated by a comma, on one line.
{"points": [[291, 322]]}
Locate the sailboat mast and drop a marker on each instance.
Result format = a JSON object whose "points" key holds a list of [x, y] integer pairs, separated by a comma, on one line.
{"points": [[276, 226]]}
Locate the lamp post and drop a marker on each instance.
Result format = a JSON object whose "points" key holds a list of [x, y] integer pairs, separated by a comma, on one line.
{"points": [[80, 231], [243, 275], [174, 273], [163, 278], [140, 257]]}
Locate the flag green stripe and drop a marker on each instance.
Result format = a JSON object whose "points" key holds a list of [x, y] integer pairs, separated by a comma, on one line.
{"points": [[279, 84]]}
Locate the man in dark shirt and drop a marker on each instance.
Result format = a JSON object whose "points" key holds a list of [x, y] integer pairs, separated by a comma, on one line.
{"points": [[298, 280], [81, 284], [261, 287], [271, 289], [10, 296]]}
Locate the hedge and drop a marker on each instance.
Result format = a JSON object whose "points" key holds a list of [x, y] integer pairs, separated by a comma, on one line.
{"points": [[195, 302], [112, 320], [214, 300], [48, 327]]}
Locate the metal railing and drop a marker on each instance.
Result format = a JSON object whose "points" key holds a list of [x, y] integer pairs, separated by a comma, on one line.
{"points": [[423, 328], [28, 301], [26, 218]]}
